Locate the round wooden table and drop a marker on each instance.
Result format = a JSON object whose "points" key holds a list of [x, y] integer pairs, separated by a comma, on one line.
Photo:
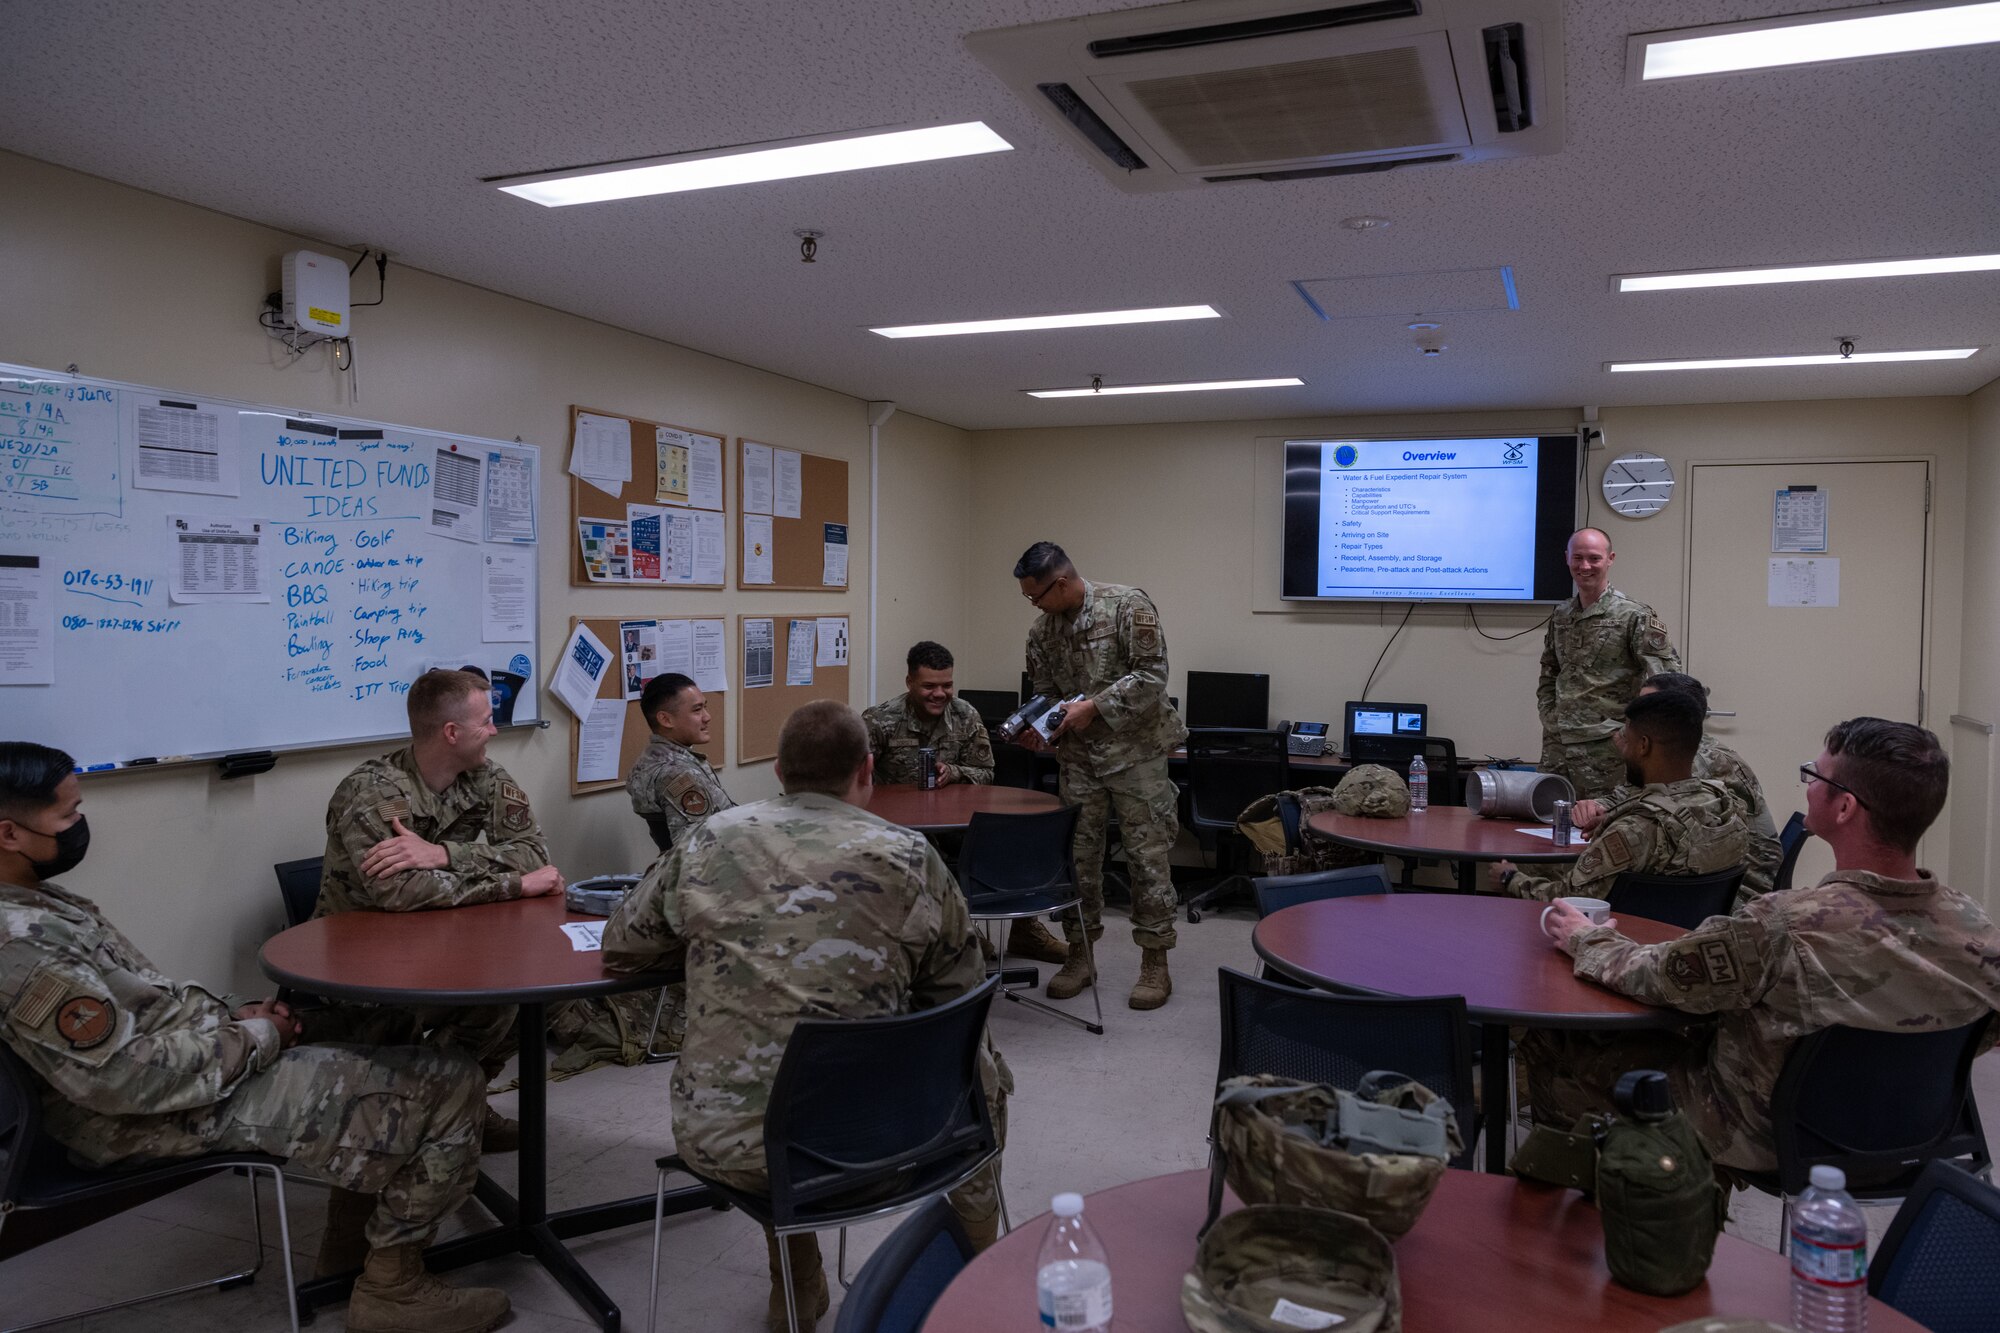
{"points": [[1490, 950], [952, 807], [1489, 1253], [492, 953], [1444, 833]]}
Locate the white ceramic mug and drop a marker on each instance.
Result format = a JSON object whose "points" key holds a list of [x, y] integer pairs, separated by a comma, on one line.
{"points": [[1596, 909]]}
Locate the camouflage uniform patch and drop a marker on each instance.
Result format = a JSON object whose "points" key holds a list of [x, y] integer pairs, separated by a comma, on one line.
{"points": [[86, 1021], [897, 729]]}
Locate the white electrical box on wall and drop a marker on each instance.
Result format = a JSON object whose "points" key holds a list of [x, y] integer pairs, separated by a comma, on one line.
{"points": [[315, 293]]}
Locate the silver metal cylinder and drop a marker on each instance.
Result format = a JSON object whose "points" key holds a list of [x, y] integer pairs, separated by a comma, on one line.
{"points": [[599, 896], [1507, 793]]}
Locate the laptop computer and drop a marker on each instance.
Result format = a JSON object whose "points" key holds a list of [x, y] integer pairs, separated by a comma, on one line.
{"points": [[1375, 732]]}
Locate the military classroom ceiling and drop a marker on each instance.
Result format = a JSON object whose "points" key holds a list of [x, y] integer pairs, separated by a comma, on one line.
{"points": [[373, 122]]}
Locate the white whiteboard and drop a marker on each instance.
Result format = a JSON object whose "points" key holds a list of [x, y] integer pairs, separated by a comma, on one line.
{"points": [[337, 524]]}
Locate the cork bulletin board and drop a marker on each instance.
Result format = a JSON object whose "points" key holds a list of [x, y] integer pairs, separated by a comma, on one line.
{"points": [[637, 733], [799, 545], [764, 709], [589, 502]]}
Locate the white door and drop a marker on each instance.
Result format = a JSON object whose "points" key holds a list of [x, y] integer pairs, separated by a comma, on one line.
{"points": [[1789, 672]]}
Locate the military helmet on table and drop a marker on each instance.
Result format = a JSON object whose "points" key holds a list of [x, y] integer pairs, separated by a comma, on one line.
{"points": [[1373, 791]]}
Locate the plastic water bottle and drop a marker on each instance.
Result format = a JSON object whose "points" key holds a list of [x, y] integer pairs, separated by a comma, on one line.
{"points": [[1829, 1257], [1420, 784], [1072, 1279]]}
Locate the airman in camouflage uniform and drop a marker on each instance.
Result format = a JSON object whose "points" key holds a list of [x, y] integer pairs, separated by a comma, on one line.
{"points": [[672, 787], [802, 906], [396, 843], [1690, 827], [1887, 948], [897, 730], [1599, 646], [1103, 641], [133, 1066]]}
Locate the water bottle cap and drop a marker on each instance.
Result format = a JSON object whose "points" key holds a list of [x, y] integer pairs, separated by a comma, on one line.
{"points": [[1828, 1178], [1067, 1205]]}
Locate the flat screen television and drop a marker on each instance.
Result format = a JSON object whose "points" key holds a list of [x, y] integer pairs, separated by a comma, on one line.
{"points": [[1228, 699], [1479, 519]]}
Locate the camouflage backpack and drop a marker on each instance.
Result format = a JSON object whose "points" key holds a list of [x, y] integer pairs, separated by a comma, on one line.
{"points": [[1276, 827], [1266, 1269], [1377, 1152], [615, 1030]]}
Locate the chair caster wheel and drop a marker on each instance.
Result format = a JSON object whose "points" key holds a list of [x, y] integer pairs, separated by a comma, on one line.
{"points": [[1194, 915]]}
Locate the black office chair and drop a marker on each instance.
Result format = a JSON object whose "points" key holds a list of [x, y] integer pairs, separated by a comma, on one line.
{"points": [[1014, 766], [1912, 1106], [1939, 1262], [1791, 840], [902, 1280], [1227, 769], [1319, 1037], [298, 883], [36, 1177], [993, 706], [662, 831], [868, 1117], [1016, 866], [1679, 900], [1276, 892]]}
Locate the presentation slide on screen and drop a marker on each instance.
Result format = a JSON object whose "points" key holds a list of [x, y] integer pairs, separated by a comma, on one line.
{"points": [[1427, 518]]}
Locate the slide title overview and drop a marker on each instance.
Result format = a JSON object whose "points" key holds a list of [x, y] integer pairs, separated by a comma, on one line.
{"points": [[1427, 518]]}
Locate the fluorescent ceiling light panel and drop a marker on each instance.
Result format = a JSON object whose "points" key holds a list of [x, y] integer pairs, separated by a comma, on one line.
{"points": [[1083, 320], [1195, 386], [819, 156], [1828, 359], [1754, 277], [1810, 39]]}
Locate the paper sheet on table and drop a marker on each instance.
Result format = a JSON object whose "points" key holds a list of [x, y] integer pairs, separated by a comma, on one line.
{"points": [[585, 659], [506, 583], [585, 936], [456, 486], [598, 741], [756, 548], [711, 670], [800, 640], [833, 641], [705, 471], [833, 570], [1544, 831], [756, 478], [788, 483], [1803, 582], [216, 560], [27, 621], [186, 446], [510, 498], [759, 653], [601, 451], [670, 471], [711, 540]]}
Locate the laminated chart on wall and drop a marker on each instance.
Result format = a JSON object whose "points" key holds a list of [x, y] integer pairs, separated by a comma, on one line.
{"points": [[271, 579]]}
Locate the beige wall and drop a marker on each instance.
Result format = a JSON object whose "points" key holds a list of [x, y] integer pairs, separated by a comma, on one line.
{"points": [[925, 497], [1975, 848], [1194, 523], [182, 860]]}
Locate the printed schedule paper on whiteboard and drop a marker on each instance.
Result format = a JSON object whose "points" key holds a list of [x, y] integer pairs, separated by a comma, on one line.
{"points": [[279, 587]]}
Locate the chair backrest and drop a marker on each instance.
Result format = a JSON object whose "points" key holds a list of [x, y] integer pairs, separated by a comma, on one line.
{"points": [[1939, 1261], [662, 831], [1679, 900], [1010, 854], [1790, 840], [1279, 891], [862, 1104], [1320, 1037], [20, 1125], [900, 1282], [1878, 1105], [1229, 767], [298, 882], [1014, 766], [993, 706]]}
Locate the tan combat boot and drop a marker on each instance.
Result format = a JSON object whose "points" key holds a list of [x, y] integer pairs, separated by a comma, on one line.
{"points": [[1075, 975], [1154, 984], [1031, 939], [809, 1288], [343, 1246], [394, 1294], [499, 1134]]}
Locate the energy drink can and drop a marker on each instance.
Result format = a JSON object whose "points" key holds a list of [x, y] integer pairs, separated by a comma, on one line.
{"points": [[927, 772], [1560, 834]]}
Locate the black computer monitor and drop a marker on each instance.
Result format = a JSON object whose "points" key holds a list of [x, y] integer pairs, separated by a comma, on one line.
{"points": [[1368, 718], [1228, 699], [1027, 687], [993, 706]]}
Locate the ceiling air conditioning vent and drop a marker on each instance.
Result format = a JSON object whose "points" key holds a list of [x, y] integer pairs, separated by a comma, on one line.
{"points": [[1214, 91]]}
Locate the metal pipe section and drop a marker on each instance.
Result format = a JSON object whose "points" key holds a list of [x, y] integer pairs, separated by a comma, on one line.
{"points": [[1507, 793]]}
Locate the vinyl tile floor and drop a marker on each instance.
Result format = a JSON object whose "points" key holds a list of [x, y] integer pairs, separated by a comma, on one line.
{"points": [[1088, 1112]]}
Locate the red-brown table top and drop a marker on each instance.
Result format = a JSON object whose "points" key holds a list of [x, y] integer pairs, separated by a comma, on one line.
{"points": [[1489, 1253], [953, 806], [1444, 832], [511, 952], [1490, 950]]}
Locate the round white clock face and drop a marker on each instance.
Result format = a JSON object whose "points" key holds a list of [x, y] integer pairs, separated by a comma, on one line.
{"points": [[1638, 485]]}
